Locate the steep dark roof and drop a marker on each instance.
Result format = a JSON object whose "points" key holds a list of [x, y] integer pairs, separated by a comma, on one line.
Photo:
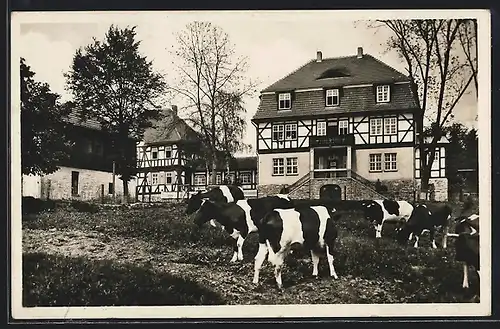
{"points": [[237, 163], [74, 119], [363, 70], [168, 129]]}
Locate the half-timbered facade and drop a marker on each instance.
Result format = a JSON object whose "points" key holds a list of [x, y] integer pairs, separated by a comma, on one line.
{"points": [[342, 123], [164, 158], [241, 171]]}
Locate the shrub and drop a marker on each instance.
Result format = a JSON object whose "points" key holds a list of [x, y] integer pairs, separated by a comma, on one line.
{"points": [[63, 281]]}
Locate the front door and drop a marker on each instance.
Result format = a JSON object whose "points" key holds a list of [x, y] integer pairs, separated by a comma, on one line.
{"points": [[330, 192], [332, 128]]}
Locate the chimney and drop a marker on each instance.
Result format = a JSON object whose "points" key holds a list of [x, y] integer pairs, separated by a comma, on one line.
{"points": [[174, 109], [319, 56], [360, 52]]}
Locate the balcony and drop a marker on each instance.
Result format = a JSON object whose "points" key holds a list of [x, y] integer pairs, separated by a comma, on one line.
{"points": [[331, 173], [338, 140]]}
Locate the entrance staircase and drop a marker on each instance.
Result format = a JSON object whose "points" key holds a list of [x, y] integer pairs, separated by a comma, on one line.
{"points": [[356, 182]]}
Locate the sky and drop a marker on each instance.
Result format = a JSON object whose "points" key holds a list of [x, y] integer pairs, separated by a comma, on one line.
{"points": [[275, 44]]}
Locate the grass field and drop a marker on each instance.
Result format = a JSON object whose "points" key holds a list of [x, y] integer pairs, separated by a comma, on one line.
{"points": [[156, 256]]}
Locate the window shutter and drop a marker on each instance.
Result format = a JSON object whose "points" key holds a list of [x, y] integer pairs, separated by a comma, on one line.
{"points": [[374, 91], [292, 96], [277, 96]]}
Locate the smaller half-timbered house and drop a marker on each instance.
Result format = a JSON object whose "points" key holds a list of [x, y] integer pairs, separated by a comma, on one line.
{"points": [[164, 158]]}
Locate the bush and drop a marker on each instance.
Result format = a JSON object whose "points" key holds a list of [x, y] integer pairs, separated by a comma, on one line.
{"points": [[31, 205], [63, 281]]}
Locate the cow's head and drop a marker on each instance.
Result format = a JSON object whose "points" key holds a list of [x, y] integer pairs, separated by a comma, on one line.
{"points": [[403, 234], [207, 211], [194, 203], [371, 211]]}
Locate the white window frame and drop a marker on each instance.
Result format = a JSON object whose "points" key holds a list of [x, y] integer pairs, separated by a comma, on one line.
{"points": [[391, 159], [247, 176], [278, 129], [376, 126], [283, 98], [343, 124], [199, 177], [390, 126], [383, 94], [289, 130], [153, 151], [292, 166], [168, 149], [375, 160], [154, 178], [330, 96], [278, 166], [167, 176], [321, 128]]}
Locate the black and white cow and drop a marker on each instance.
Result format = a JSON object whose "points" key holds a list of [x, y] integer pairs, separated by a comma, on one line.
{"points": [[380, 211], [467, 245], [312, 227], [222, 193], [422, 220], [239, 218]]}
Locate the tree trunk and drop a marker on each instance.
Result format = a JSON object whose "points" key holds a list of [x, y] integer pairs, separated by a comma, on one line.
{"points": [[125, 190]]}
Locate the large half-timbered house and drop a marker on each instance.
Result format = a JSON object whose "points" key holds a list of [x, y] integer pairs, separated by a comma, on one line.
{"points": [[336, 126], [164, 158], [87, 174]]}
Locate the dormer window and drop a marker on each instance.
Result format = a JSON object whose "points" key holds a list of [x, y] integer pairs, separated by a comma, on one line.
{"points": [[383, 94], [285, 101], [332, 97]]}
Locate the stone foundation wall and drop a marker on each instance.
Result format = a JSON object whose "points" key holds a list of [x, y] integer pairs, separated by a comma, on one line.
{"points": [[359, 191], [270, 189], [401, 189], [440, 188]]}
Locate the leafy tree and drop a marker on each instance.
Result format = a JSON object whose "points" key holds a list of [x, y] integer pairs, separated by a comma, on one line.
{"points": [[114, 84], [212, 83], [441, 58], [43, 141]]}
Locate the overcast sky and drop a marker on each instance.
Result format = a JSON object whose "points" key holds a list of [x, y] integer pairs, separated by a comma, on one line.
{"points": [[275, 44]]}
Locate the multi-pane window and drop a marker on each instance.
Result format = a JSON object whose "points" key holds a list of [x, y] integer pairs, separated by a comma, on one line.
{"points": [[154, 153], [390, 126], [383, 94], [285, 101], [200, 180], [246, 178], [343, 127], [290, 131], [168, 178], [278, 132], [218, 179], [376, 126], [278, 166], [168, 152], [321, 128], [154, 178], [376, 162], [332, 97], [390, 162], [292, 167]]}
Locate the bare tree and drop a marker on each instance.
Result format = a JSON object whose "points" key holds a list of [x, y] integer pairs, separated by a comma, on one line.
{"points": [[441, 59], [211, 81]]}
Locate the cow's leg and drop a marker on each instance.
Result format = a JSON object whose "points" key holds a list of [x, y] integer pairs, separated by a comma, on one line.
{"points": [[433, 237], [329, 256], [278, 265], [410, 237], [259, 260], [465, 282], [212, 222], [239, 243], [315, 261], [378, 229], [235, 235], [417, 237], [445, 237]]}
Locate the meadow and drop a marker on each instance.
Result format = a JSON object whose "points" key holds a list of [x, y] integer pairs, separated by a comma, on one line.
{"points": [[80, 254]]}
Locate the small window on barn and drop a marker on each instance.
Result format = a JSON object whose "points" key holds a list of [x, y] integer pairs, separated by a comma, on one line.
{"points": [[110, 188], [285, 101], [74, 183]]}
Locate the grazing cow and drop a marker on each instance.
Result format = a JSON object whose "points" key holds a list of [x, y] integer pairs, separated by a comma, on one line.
{"points": [[422, 220], [222, 193], [380, 211], [239, 218], [312, 227], [467, 245]]}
